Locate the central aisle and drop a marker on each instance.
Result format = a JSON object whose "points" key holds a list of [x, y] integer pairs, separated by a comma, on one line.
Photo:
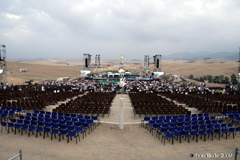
{"points": [[114, 113]]}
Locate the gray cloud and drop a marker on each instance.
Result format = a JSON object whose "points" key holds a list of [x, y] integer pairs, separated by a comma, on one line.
{"points": [[67, 29]]}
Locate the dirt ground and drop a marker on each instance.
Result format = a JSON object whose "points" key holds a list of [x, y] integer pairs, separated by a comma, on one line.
{"points": [[108, 142]]}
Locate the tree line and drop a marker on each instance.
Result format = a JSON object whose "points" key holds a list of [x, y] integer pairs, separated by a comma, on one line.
{"points": [[216, 79]]}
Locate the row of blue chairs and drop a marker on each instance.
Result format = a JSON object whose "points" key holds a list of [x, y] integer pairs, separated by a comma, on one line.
{"points": [[176, 134], [53, 129], [193, 121], [187, 117]]}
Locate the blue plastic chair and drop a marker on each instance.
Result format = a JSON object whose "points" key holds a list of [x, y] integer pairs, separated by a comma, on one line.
{"points": [[220, 121], [205, 114], [12, 113], [54, 113], [231, 130], [95, 118], [229, 125], [200, 115], [41, 124], [4, 124], [63, 133], [11, 125], [34, 119], [13, 121], [67, 115], [216, 131], [41, 116], [70, 128], [48, 113], [161, 118], [47, 130], [224, 130], [26, 122], [181, 117], [55, 126], [192, 134], [61, 118], [149, 124], [28, 118], [72, 135], [168, 136], [186, 124], [186, 129], [212, 118], [201, 133], [223, 114], [153, 118], [48, 120], [155, 127], [63, 127], [54, 118], [175, 117], [78, 124], [82, 117], [237, 129], [19, 111], [184, 134], [17, 127], [55, 132], [55, 121], [62, 123], [75, 120], [40, 130], [162, 130], [61, 114], [19, 121], [73, 115], [180, 125], [86, 126], [200, 123], [25, 127], [5, 116], [35, 115], [172, 125], [48, 117], [208, 132], [177, 134], [91, 123], [214, 122], [36, 112], [48, 125], [166, 121], [42, 112], [194, 120], [80, 130], [68, 119], [171, 130]]}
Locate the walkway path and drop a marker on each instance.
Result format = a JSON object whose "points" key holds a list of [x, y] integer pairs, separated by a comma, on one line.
{"points": [[114, 113]]}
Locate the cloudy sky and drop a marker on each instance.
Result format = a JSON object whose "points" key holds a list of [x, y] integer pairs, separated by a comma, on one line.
{"points": [[111, 28]]}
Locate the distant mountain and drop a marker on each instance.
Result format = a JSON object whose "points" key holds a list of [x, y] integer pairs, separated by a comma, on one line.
{"points": [[233, 56]]}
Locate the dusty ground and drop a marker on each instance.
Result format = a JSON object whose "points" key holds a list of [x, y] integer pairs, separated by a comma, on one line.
{"points": [[107, 141]]}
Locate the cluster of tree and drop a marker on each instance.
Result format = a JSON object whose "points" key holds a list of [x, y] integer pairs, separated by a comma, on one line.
{"points": [[216, 79]]}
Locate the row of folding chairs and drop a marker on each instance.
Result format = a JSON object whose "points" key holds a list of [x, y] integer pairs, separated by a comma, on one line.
{"points": [[53, 129], [179, 134], [176, 129], [180, 118]]}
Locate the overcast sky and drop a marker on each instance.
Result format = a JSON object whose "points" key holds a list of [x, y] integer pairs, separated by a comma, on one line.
{"points": [[111, 28]]}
